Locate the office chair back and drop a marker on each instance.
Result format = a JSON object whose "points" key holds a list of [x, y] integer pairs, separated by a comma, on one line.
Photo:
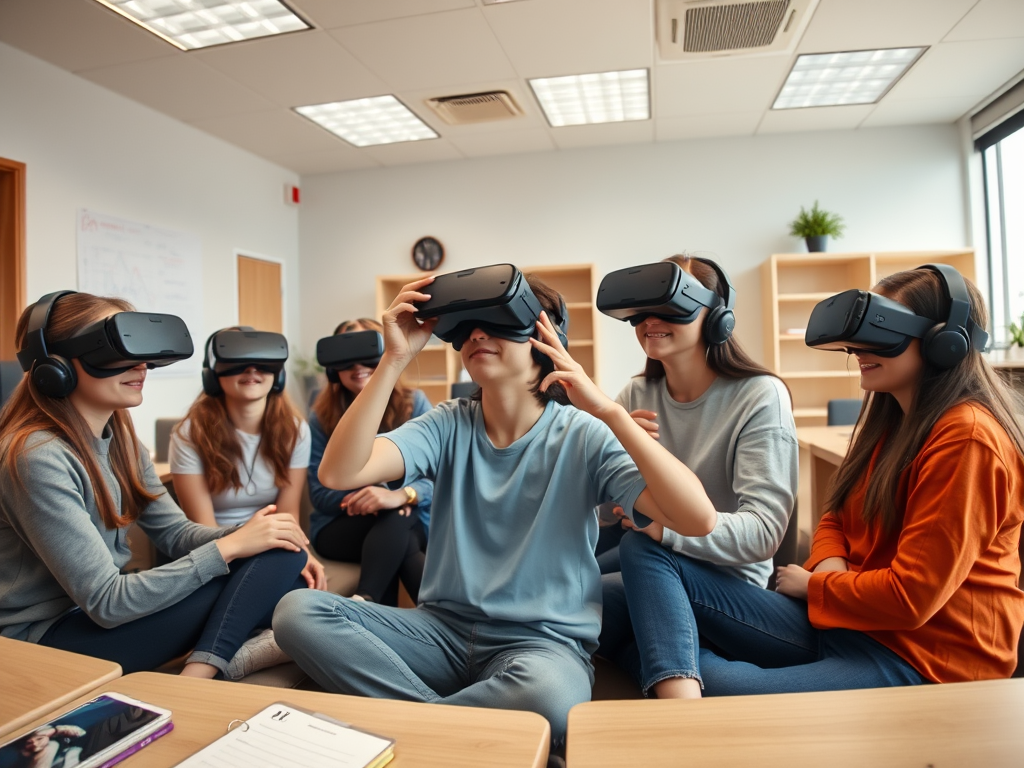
{"points": [[163, 437], [10, 375], [844, 411]]}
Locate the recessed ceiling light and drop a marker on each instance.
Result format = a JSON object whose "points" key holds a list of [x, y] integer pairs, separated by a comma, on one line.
{"points": [[191, 24], [366, 122], [851, 77], [603, 97]]}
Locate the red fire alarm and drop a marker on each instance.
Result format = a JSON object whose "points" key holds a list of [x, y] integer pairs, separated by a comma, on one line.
{"points": [[291, 194]]}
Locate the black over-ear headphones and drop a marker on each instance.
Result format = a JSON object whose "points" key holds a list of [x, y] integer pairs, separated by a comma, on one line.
{"points": [[721, 319], [53, 376], [946, 344], [211, 383]]}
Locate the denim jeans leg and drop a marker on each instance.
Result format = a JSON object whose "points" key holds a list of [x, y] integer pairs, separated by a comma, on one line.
{"points": [[617, 643], [365, 649]]}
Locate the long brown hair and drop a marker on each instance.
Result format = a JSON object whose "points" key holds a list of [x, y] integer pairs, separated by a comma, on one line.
{"points": [[334, 399], [728, 360], [29, 411], [882, 421], [214, 438]]}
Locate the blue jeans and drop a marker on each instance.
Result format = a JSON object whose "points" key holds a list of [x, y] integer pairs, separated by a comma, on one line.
{"points": [[213, 621], [693, 619], [427, 654]]}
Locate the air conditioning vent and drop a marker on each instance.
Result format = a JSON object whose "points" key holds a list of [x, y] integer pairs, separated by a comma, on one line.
{"points": [[700, 29], [475, 107]]}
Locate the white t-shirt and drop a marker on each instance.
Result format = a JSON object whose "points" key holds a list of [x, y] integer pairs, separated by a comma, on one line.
{"points": [[232, 506]]}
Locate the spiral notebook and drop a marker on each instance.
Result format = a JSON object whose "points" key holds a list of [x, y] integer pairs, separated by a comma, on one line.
{"points": [[282, 736]]}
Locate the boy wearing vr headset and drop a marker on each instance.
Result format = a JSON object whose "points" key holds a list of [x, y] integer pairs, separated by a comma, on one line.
{"points": [[510, 604]]}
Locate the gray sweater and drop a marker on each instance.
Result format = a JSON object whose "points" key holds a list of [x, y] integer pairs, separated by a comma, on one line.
{"points": [[55, 552], [739, 438]]}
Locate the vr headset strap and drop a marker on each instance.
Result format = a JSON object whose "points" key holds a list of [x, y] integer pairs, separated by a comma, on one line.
{"points": [[35, 336]]}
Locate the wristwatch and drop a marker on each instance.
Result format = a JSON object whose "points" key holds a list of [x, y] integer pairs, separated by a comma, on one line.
{"points": [[411, 497]]}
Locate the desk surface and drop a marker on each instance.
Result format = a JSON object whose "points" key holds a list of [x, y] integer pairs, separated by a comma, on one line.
{"points": [[954, 726], [829, 443], [35, 680], [426, 734], [163, 470]]}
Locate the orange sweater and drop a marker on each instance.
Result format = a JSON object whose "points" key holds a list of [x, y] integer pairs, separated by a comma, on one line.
{"points": [[942, 592]]}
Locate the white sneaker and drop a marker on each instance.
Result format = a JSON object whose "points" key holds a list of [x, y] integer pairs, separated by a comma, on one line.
{"points": [[256, 653]]}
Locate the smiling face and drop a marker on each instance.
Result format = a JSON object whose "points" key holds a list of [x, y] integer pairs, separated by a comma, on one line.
{"points": [[489, 360], [354, 379], [661, 340], [248, 386], [109, 394], [897, 375]]}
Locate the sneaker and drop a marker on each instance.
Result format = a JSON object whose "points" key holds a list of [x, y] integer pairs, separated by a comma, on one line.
{"points": [[257, 653]]}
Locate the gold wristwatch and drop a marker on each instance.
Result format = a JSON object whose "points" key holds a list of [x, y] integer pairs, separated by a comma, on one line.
{"points": [[411, 497]]}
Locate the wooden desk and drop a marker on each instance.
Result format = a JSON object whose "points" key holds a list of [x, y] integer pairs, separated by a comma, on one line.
{"points": [[426, 734], [826, 446], [953, 726], [163, 470], [35, 680]]}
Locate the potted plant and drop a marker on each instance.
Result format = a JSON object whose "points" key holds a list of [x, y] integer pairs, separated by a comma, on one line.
{"points": [[815, 226], [1016, 349]]}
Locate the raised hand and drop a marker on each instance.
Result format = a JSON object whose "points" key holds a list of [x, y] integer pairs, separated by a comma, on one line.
{"points": [[582, 391], [404, 335]]}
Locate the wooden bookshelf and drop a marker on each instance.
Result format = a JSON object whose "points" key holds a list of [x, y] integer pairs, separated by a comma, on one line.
{"points": [[438, 366], [793, 283]]}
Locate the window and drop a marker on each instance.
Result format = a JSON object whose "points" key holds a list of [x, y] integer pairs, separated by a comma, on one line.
{"points": [[1003, 165]]}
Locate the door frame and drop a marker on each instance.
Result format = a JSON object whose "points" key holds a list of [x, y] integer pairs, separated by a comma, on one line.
{"points": [[15, 292], [284, 282]]}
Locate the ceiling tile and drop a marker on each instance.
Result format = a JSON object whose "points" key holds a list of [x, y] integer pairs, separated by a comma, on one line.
{"points": [[975, 68], [638, 132], [270, 133], [312, 163], [77, 34], [573, 37], [814, 118], [413, 152], [442, 49], [917, 111], [295, 70], [328, 14], [180, 86], [845, 25], [720, 85], [989, 20], [696, 126], [509, 142]]}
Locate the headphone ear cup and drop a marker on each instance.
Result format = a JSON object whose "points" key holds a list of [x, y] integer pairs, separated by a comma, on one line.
{"points": [[211, 384], [718, 325], [332, 376], [54, 377], [944, 349], [279, 381]]}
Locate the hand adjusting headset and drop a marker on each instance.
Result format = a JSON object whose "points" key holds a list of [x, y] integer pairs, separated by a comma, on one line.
{"points": [[230, 352], [105, 348], [497, 299], [667, 291], [347, 350], [858, 320]]}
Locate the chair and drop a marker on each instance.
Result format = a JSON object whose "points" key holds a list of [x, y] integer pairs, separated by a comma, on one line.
{"points": [[163, 437], [10, 375], [463, 389], [844, 411]]}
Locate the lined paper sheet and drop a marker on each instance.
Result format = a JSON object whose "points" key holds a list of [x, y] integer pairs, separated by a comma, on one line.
{"points": [[282, 736]]}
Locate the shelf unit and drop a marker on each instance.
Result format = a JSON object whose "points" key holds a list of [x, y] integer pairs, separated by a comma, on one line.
{"points": [[438, 366], [793, 283]]}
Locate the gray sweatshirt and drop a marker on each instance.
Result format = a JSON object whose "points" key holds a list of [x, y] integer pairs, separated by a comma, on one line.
{"points": [[55, 552], [739, 438]]}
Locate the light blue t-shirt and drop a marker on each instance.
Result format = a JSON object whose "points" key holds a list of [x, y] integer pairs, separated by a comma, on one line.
{"points": [[513, 530]]}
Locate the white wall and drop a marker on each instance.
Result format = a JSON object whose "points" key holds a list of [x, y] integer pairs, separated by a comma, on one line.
{"points": [[898, 189], [86, 147]]}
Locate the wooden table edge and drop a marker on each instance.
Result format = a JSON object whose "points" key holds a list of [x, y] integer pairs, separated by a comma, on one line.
{"points": [[59, 704]]}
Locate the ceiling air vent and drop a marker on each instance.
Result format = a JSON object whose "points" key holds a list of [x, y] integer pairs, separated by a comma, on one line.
{"points": [[701, 29], [475, 107]]}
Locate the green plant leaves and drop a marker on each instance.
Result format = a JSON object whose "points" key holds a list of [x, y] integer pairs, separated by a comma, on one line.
{"points": [[817, 222]]}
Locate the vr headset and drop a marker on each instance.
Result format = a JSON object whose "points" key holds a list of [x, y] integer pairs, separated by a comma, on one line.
{"points": [[857, 320], [105, 348], [230, 352], [667, 291], [347, 350], [496, 299]]}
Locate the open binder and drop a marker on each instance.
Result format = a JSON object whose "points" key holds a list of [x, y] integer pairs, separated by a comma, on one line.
{"points": [[282, 736]]}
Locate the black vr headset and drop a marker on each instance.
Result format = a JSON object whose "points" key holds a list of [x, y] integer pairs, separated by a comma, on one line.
{"points": [[231, 351], [667, 291], [496, 299], [857, 320], [105, 348], [347, 350]]}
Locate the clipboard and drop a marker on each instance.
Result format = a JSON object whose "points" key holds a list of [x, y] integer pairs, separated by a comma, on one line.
{"points": [[283, 736]]}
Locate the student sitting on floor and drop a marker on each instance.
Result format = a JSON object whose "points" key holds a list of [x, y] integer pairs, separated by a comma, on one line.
{"points": [[913, 573], [384, 530], [74, 480], [510, 605]]}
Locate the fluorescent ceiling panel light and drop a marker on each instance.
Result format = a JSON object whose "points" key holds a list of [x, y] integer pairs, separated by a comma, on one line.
{"points": [[852, 77], [603, 97], [366, 122], [191, 24]]}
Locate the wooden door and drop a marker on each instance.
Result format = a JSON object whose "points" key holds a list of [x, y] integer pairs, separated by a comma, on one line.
{"points": [[12, 253], [260, 294]]}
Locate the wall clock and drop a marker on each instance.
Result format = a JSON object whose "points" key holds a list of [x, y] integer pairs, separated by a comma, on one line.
{"points": [[428, 253]]}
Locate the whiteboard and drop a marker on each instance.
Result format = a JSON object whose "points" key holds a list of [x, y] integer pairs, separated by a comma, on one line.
{"points": [[157, 270]]}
